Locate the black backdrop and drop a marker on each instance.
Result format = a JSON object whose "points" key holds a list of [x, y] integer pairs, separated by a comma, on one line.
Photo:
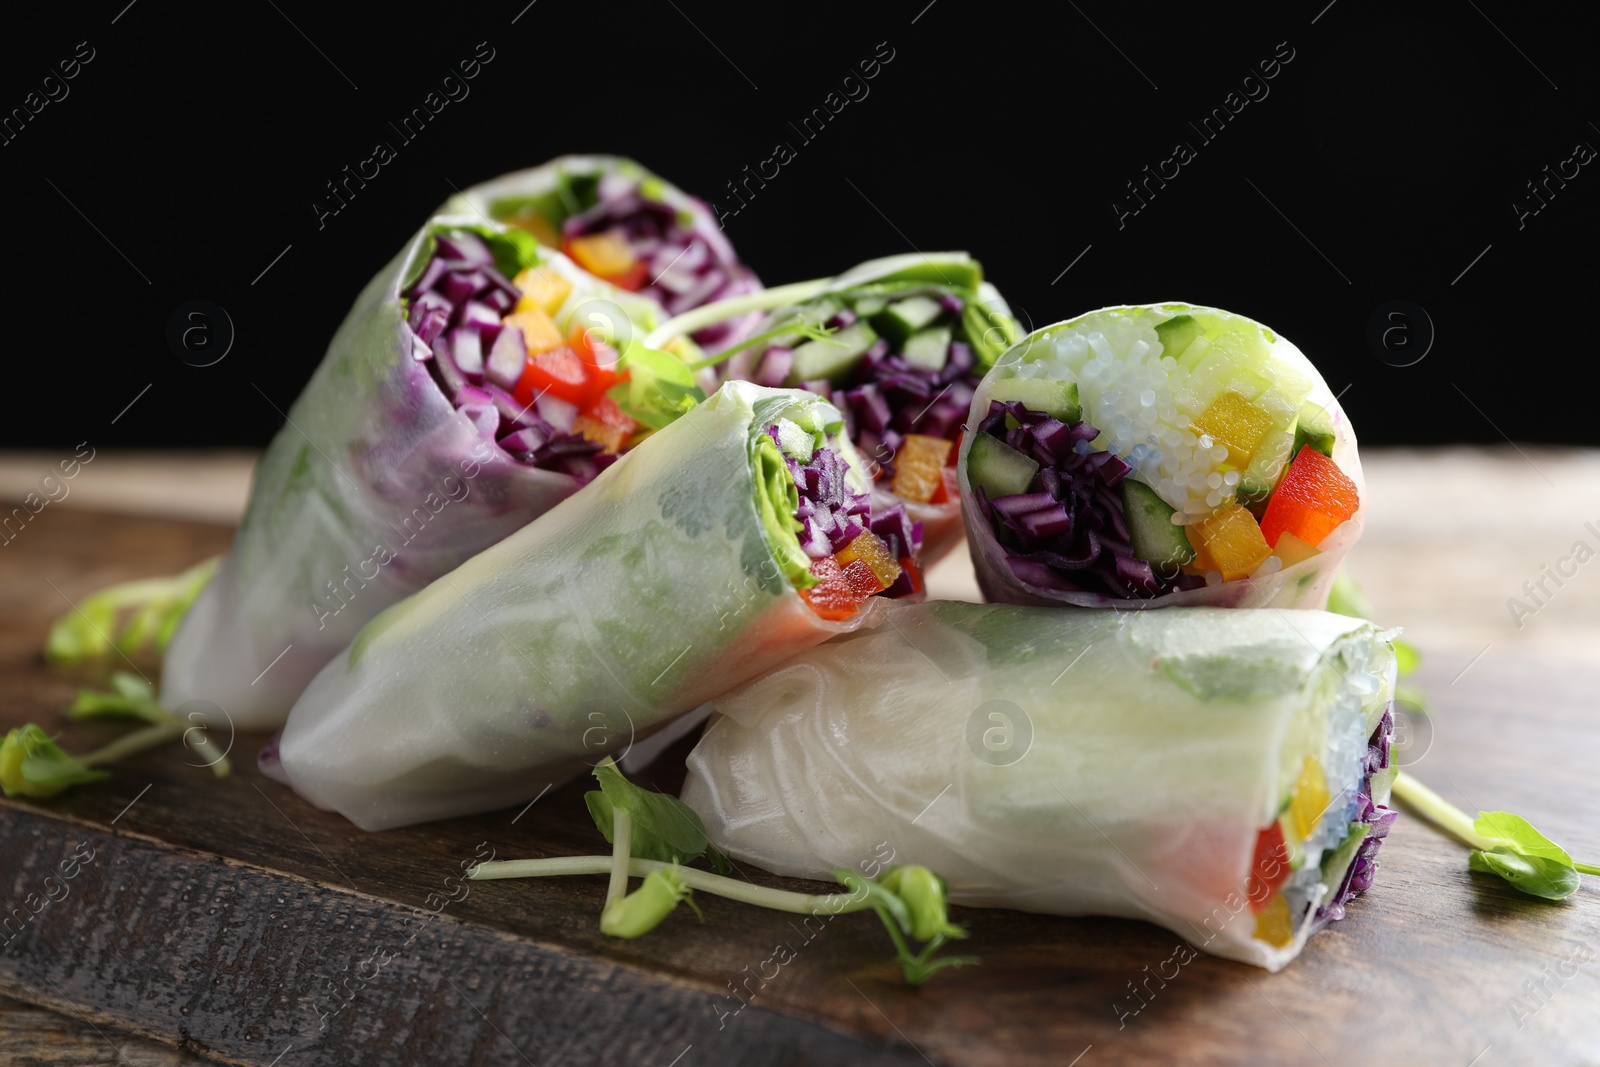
{"points": [[1386, 159]]}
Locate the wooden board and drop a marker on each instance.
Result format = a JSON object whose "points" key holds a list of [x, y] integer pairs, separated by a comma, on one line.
{"points": [[234, 921]]}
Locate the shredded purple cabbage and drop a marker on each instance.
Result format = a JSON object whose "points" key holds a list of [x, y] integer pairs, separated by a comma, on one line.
{"points": [[1358, 876], [886, 396], [832, 514], [454, 313], [688, 260], [1067, 532]]}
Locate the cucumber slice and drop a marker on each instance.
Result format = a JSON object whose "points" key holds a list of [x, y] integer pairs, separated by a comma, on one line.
{"points": [[869, 306], [831, 357], [1176, 334], [1315, 428], [1336, 862], [1000, 469], [928, 348], [1154, 537], [905, 317], [1059, 400]]}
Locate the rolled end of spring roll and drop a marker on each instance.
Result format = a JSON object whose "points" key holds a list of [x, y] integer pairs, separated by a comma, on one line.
{"points": [[627, 226], [1160, 455], [907, 340], [719, 547], [428, 432], [1221, 773]]}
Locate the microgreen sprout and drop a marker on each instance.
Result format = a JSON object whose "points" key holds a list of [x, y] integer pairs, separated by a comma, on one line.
{"points": [[33, 765], [135, 619], [1502, 844], [653, 835]]}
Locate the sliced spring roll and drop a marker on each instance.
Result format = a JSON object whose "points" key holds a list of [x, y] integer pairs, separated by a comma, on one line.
{"points": [[1157, 456], [1221, 773], [910, 337], [722, 545], [628, 226], [464, 395]]}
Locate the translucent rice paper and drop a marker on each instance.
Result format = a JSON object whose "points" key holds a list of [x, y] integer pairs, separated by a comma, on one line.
{"points": [[941, 523], [1077, 763], [376, 486], [497, 198], [625, 606], [1304, 585]]}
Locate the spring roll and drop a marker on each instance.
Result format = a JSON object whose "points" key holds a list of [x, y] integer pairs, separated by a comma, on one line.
{"points": [[721, 546], [628, 226], [910, 337], [1221, 773], [1160, 455], [465, 394]]}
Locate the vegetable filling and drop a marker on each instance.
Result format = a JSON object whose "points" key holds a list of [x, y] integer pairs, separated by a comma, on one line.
{"points": [[1321, 840], [493, 347], [1060, 509], [1221, 465], [835, 551], [901, 362], [620, 226]]}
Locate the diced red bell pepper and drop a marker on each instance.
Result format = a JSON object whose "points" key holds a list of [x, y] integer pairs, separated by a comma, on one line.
{"points": [[832, 597], [558, 372], [599, 357], [861, 578], [604, 423], [841, 590], [909, 568], [869, 546], [1269, 869], [955, 448], [1313, 498]]}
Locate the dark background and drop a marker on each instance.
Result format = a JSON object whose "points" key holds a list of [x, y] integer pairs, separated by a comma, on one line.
{"points": [[1383, 163]]}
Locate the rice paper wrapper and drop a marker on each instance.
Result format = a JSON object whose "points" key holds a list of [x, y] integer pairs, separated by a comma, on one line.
{"points": [[375, 486], [644, 596], [930, 273], [1076, 763], [1303, 585]]}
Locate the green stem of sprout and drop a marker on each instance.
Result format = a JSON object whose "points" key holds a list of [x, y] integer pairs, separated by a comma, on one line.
{"points": [[701, 881], [722, 310], [141, 740], [1444, 814], [622, 831]]}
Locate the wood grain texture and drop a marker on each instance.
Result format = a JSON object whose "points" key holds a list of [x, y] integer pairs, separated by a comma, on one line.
{"points": [[34, 1037], [234, 921]]}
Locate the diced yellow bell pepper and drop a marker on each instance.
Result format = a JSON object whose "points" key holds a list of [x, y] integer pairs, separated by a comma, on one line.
{"points": [[1230, 542], [870, 548], [604, 254], [544, 231], [919, 467], [1235, 423], [542, 290], [1310, 797], [1275, 925], [539, 331], [1292, 550]]}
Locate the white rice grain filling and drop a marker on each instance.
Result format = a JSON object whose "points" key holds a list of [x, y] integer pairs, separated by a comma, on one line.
{"points": [[1144, 403]]}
